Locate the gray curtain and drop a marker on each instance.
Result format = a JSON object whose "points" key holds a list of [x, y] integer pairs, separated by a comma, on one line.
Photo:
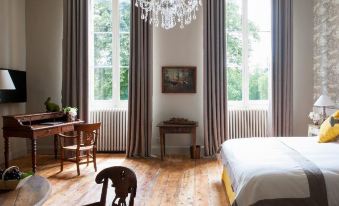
{"points": [[215, 95], [140, 87], [281, 101], [75, 56]]}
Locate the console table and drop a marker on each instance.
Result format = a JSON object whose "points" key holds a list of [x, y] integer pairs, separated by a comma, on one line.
{"points": [[176, 129]]}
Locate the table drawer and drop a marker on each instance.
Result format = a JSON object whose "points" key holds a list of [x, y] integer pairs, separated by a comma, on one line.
{"points": [[47, 132], [68, 128], [178, 130]]}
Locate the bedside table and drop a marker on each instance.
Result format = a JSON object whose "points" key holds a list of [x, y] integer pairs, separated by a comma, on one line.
{"points": [[313, 130]]}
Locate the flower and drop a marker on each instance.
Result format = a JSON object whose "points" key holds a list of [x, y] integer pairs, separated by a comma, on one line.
{"points": [[73, 111], [314, 116]]}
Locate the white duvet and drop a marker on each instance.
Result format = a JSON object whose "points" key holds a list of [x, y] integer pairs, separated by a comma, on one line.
{"points": [[260, 168]]}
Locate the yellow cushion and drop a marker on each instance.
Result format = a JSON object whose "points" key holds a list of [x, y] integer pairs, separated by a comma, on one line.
{"points": [[327, 132]]}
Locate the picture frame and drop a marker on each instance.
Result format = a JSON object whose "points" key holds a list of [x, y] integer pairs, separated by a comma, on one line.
{"points": [[179, 79]]}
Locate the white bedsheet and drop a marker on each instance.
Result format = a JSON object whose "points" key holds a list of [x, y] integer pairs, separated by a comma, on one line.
{"points": [[261, 169]]}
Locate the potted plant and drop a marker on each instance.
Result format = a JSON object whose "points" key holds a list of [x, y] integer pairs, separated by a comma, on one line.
{"points": [[71, 113]]}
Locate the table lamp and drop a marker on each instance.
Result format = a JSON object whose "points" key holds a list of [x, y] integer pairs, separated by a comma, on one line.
{"points": [[324, 101], [6, 82]]}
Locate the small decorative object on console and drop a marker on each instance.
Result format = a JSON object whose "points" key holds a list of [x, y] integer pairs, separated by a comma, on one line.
{"points": [[71, 113], [50, 106], [181, 121], [12, 178], [315, 117]]}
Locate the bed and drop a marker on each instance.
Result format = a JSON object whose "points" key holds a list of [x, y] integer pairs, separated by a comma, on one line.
{"points": [[281, 171]]}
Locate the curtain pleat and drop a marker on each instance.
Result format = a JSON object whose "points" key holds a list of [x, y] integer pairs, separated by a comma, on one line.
{"points": [[281, 101], [215, 90], [75, 56], [140, 87]]}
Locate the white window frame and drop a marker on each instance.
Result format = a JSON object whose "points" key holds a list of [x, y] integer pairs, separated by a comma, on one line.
{"points": [[115, 102], [246, 103]]}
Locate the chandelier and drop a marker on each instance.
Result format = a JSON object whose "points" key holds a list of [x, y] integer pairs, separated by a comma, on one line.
{"points": [[168, 12]]}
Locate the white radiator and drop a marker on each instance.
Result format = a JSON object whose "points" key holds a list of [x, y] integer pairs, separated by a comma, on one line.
{"points": [[113, 132], [244, 123]]}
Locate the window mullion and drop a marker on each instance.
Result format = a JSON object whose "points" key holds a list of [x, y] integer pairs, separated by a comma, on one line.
{"points": [[245, 85], [115, 52]]}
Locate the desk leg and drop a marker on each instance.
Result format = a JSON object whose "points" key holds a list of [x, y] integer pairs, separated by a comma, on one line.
{"points": [[55, 146], [164, 142], [194, 137], [161, 144], [6, 152], [34, 155]]}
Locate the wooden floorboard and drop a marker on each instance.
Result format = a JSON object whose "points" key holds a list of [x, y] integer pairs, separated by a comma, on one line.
{"points": [[176, 181]]}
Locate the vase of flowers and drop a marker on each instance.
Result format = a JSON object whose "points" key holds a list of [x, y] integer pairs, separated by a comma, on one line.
{"points": [[315, 117], [71, 113]]}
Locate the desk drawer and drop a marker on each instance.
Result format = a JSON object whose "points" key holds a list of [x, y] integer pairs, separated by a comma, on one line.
{"points": [[68, 128], [47, 132]]}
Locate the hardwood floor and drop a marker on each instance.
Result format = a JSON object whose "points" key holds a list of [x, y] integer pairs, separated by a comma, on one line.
{"points": [[176, 181]]}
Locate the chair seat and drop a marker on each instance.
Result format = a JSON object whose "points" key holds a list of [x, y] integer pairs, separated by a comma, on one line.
{"points": [[74, 147]]}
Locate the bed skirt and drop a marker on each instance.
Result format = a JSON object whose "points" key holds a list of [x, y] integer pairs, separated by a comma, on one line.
{"points": [[228, 185]]}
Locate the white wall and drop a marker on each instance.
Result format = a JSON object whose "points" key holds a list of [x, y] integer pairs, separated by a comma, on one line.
{"points": [[44, 57], [178, 47], [12, 55], [302, 65]]}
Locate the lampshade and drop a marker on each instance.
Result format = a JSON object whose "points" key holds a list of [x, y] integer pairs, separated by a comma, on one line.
{"points": [[6, 82], [324, 101]]}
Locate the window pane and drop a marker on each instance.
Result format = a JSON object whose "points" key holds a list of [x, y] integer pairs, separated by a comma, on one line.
{"points": [[234, 66], [259, 84], [124, 83], [233, 15], [103, 83], [125, 12], [259, 12], [102, 49], [102, 16], [259, 63], [124, 49], [234, 43], [259, 60], [234, 84], [234, 49]]}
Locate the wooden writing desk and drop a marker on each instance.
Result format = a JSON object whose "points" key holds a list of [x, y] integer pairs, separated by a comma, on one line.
{"points": [[176, 128], [34, 126]]}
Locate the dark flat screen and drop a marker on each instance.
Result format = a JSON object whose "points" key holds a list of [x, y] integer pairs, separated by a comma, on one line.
{"points": [[20, 93]]}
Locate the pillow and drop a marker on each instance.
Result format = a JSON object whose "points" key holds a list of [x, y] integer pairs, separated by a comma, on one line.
{"points": [[328, 133]]}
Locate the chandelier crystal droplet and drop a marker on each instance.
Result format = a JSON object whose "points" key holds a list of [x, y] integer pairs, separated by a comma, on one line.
{"points": [[168, 13]]}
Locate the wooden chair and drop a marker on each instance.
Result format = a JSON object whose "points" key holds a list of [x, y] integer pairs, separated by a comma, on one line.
{"points": [[125, 182], [86, 136]]}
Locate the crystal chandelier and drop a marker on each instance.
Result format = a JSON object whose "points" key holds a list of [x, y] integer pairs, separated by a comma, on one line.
{"points": [[169, 12]]}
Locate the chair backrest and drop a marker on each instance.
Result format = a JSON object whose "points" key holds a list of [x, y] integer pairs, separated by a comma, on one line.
{"points": [[125, 182], [88, 133]]}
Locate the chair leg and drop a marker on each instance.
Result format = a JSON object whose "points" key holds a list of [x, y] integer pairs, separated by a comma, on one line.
{"points": [[62, 156], [95, 158], [87, 154], [77, 161]]}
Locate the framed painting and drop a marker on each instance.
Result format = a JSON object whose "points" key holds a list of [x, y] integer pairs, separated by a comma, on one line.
{"points": [[179, 79]]}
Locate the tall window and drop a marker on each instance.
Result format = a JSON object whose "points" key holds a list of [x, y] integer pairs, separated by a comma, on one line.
{"points": [[248, 42], [110, 37]]}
